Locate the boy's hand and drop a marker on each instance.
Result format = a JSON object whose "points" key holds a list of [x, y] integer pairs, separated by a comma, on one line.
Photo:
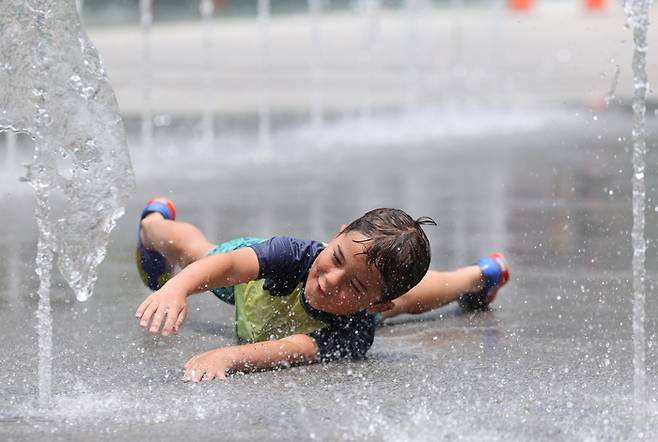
{"points": [[166, 302], [209, 365], [281, 353]]}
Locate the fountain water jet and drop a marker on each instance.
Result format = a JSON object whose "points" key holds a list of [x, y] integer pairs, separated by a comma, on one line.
{"points": [[637, 12], [54, 88]]}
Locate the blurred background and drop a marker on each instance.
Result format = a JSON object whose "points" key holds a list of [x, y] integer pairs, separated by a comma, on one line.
{"points": [[218, 66]]}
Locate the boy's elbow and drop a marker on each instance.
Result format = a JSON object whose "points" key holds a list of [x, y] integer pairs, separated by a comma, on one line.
{"points": [[301, 349]]}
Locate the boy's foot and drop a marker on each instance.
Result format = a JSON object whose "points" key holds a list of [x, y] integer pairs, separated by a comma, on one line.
{"points": [[153, 268], [495, 273]]}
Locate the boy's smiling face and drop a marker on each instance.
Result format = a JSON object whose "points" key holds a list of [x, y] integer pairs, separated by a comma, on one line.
{"points": [[340, 281]]}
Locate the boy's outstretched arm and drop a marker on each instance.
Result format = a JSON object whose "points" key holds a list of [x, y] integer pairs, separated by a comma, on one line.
{"points": [[169, 304], [282, 353]]}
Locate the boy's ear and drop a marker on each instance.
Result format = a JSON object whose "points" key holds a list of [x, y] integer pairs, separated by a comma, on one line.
{"points": [[342, 227], [380, 307]]}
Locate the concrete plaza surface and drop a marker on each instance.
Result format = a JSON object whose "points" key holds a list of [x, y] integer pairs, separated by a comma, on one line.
{"points": [[551, 361]]}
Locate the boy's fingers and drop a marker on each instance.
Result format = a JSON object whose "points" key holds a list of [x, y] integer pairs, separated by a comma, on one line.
{"points": [[148, 313], [198, 374], [140, 310], [180, 319], [157, 319], [188, 364], [169, 322], [189, 374]]}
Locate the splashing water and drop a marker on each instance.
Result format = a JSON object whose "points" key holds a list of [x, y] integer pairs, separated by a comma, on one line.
{"points": [[637, 12], [53, 87]]}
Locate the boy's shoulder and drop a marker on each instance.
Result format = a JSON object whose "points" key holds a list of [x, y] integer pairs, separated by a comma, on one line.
{"points": [[288, 250], [285, 261]]}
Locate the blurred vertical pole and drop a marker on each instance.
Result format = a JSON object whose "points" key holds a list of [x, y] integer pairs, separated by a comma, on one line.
{"points": [[370, 11], [315, 66], [207, 10], [146, 19], [264, 111], [412, 50], [497, 53], [457, 68]]}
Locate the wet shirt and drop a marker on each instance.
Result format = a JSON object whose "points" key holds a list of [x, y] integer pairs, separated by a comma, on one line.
{"points": [[274, 306]]}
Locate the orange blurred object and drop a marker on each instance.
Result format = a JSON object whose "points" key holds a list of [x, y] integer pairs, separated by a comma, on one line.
{"points": [[595, 5], [522, 5]]}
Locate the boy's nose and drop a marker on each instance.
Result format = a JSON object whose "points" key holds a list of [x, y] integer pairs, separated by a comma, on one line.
{"points": [[334, 279]]}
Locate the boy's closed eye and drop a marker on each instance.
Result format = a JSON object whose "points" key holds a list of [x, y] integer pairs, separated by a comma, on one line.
{"points": [[359, 291], [339, 258]]}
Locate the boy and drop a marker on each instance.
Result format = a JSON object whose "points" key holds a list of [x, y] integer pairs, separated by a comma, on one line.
{"points": [[299, 301]]}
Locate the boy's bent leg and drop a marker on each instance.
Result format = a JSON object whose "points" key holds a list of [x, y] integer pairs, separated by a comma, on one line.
{"points": [[179, 242], [437, 289]]}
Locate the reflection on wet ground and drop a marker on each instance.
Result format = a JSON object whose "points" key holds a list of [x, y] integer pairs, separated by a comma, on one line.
{"points": [[552, 360]]}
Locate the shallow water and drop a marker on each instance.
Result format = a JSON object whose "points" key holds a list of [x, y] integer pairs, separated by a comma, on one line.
{"points": [[552, 360]]}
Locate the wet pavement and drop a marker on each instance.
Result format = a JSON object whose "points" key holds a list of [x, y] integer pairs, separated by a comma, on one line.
{"points": [[551, 361]]}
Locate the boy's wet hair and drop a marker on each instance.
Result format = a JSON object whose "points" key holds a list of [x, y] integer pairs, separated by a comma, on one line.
{"points": [[397, 246]]}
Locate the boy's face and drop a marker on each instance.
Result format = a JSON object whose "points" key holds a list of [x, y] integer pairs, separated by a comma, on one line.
{"points": [[340, 281]]}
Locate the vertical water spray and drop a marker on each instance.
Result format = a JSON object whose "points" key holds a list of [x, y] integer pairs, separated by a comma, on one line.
{"points": [[207, 10], [637, 12], [264, 112], [54, 88], [146, 20]]}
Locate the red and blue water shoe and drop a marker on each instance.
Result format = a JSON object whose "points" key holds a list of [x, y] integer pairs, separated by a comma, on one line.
{"points": [[495, 273], [152, 267]]}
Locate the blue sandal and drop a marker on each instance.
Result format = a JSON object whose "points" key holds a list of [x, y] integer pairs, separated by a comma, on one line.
{"points": [[153, 268]]}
